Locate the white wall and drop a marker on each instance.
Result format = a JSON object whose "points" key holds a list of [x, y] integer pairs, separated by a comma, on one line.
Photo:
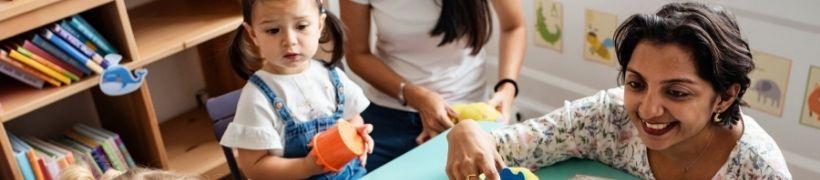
{"points": [[789, 29]]}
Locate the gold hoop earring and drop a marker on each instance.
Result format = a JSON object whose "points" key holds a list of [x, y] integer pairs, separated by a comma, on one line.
{"points": [[716, 118]]}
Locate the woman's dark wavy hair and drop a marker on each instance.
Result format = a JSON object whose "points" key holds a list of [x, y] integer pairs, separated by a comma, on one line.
{"points": [[460, 18], [722, 56], [243, 54]]}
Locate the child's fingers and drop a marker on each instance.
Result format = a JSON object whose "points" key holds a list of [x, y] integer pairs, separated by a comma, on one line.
{"points": [[363, 159]]}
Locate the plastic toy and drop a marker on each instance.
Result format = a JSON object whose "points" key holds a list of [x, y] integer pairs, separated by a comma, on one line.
{"points": [[517, 173], [337, 146], [476, 111]]}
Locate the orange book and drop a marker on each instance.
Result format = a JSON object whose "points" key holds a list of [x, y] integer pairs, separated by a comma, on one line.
{"points": [[40, 67], [32, 158], [5, 58]]}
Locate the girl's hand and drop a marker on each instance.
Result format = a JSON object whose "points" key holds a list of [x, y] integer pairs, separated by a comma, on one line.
{"points": [[364, 131], [434, 111], [502, 101], [471, 151]]}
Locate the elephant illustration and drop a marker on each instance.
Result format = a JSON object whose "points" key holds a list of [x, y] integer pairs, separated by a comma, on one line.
{"points": [[814, 102], [767, 90]]}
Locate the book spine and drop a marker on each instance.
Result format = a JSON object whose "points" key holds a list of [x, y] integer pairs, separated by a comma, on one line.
{"points": [[19, 74], [125, 153], [56, 52], [23, 164], [84, 28], [42, 53], [32, 160], [60, 31], [47, 63], [79, 36], [77, 55], [31, 63]]}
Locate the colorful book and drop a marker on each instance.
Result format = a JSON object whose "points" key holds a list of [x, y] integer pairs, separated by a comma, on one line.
{"points": [[49, 165], [18, 71], [99, 160], [53, 50], [114, 139], [79, 36], [71, 51], [40, 67], [83, 27], [60, 31], [83, 156], [97, 150], [111, 150], [20, 155], [47, 63], [32, 159], [65, 156], [60, 158], [45, 55]]}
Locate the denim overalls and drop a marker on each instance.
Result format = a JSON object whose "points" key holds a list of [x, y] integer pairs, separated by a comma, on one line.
{"points": [[298, 135]]}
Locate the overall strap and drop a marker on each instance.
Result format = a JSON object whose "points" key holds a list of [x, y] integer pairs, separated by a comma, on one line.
{"points": [[277, 103], [340, 97]]}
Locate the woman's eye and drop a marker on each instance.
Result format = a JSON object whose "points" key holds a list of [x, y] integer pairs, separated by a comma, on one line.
{"points": [[677, 94], [272, 31], [635, 85]]}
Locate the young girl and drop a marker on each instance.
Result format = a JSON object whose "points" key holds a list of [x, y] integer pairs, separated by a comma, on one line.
{"points": [[290, 97]]}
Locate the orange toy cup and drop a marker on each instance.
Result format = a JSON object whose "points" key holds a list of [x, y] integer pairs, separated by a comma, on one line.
{"points": [[337, 146]]}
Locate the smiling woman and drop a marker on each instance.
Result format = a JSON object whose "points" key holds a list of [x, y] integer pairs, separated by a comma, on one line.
{"points": [[684, 71]]}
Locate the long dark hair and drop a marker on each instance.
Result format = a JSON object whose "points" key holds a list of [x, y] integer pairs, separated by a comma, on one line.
{"points": [[243, 54], [721, 55], [460, 18]]}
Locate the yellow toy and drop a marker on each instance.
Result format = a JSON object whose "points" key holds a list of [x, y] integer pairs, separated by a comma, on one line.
{"points": [[475, 111]]}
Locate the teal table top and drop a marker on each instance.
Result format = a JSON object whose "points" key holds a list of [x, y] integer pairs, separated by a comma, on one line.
{"points": [[428, 160]]}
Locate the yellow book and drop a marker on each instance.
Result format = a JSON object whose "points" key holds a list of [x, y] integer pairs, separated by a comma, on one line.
{"points": [[47, 63], [40, 67]]}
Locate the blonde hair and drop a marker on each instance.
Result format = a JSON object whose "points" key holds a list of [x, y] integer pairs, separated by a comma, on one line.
{"points": [[75, 172]]}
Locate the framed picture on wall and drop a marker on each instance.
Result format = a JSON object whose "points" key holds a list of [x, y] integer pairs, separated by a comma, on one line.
{"points": [[811, 105], [549, 25], [598, 31], [770, 79]]}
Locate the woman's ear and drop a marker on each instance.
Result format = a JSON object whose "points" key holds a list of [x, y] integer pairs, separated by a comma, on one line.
{"points": [[727, 98], [249, 31]]}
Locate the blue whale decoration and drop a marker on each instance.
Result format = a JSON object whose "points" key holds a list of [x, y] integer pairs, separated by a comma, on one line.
{"points": [[118, 80]]}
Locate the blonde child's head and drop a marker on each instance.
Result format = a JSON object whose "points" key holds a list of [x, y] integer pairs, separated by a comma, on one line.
{"points": [[282, 36], [77, 172]]}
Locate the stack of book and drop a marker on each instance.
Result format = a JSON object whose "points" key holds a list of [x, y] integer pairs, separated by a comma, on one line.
{"points": [[94, 148], [56, 55]]}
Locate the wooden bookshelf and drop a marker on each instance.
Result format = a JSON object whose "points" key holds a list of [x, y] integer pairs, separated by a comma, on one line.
{"points": [[191, 145], [162, 28], [143, 35], [18, 17]]}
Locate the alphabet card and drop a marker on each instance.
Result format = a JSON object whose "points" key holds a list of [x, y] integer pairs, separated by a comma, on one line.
{"points": [[767, 91], [598, 44], [811, 106], [549, 24]]}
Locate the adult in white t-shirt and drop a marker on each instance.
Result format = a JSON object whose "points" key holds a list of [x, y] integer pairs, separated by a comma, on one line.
{"points": [[428, 54]]}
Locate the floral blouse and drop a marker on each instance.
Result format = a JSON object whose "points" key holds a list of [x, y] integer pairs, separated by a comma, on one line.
{"points": [[597, 128]]}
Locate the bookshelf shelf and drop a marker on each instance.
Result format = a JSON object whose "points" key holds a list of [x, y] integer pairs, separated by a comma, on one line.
{"points": [[14, 8], [18, 17], [191, 146], [19, 99], [162, 28]]}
